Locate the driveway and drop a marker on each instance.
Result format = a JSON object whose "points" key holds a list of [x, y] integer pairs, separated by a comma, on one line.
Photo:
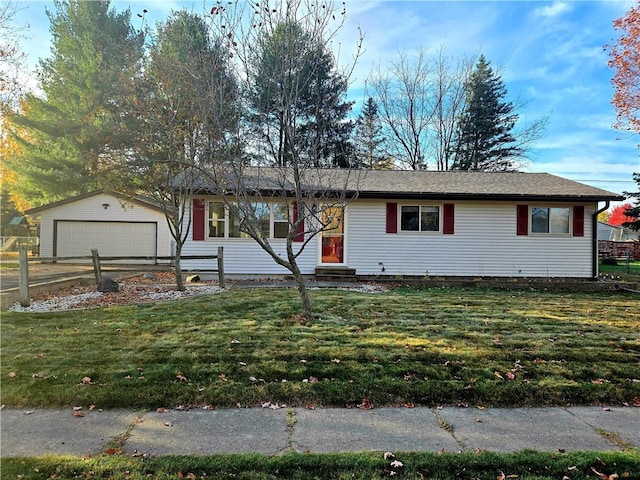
{"points": [[46, 272]]}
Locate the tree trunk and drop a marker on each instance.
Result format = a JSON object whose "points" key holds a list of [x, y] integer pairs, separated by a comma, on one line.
{"points": [[304, 293], [178, 269]]}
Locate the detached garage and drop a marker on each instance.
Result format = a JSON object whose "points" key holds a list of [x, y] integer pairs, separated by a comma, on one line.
{"points": [[112, 223]]}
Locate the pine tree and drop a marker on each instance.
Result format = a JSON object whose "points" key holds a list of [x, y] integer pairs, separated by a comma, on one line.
{"points": [[368, 137], [298, 100], [68, 136], [484, 139], [633, 212]]}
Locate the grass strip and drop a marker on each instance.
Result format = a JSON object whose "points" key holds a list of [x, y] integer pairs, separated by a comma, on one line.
{"points": [[526, 465]]}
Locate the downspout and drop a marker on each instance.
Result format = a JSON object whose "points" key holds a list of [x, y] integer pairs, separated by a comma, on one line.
{"points": [[594, 234]]}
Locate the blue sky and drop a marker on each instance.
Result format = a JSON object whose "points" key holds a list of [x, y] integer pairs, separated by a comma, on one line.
{"points": [[549, 53]]}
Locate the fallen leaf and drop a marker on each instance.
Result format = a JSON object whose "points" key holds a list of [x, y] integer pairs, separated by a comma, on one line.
{"points": [[235, 342], [86, 380], [366, 404], [181, 378], [497, 374], [161, 410], [336, 360], [604, 476], [12, 375], [510, 376], [78, 413], [388, 455], [396, 464], [75, 409], [168, 424], [208, 407]]}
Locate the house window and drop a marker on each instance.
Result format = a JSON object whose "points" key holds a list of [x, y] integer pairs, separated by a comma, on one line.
{"points": [[551, 220], [273, 220], [280, 220], [419, 218], [217, 220]]}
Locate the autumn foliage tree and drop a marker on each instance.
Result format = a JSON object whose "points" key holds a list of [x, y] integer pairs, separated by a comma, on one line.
{"points": [[625, 61], [618, 215]]}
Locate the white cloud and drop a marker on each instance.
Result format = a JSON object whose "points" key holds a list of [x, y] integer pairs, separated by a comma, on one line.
{"points": [[554, 10]]}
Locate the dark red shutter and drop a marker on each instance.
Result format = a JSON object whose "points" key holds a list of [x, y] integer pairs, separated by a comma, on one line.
{"points": [[447, 218], [299, 237], [198, 219], [578, 221], [522, 220], [392, 217]]}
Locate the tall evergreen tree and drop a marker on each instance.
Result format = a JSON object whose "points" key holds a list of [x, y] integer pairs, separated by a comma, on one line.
{"points": [[634, 211], [368, 137], [69, 135], [298, 101], [484, 139]]}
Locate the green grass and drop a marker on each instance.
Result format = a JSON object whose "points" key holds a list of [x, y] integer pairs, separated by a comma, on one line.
{"points": [[630, 272], [243, 347], [370, 466]]}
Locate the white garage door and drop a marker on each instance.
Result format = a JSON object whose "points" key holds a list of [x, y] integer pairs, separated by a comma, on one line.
{"points": [[122, 239]]}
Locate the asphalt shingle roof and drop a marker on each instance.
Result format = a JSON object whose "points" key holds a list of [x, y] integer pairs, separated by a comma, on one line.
{"points": [[432, 184], [478, 184]]}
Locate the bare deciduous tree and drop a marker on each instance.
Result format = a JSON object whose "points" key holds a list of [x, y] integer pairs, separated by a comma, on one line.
{"points": [[287, 133], [420, 98]]}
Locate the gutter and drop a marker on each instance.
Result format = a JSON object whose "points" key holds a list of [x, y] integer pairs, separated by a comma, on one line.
{"points": [[594, 234]]}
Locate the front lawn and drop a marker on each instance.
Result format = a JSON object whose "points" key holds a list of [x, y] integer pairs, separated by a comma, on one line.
{"points": [[406, 346]]}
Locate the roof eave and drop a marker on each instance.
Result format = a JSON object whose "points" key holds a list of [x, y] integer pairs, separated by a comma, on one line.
{"points": [[496, 196]]}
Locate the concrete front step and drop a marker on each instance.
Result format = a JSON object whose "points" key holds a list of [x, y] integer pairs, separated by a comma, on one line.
{"points": [[343, 274]]}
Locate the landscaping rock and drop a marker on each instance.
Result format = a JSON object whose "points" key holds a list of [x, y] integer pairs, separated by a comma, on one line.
{"points": [[149, 276], [192, 279], [108, 285]]}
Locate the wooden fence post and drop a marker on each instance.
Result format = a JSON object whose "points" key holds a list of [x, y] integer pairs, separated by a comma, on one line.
{"points": [[220, 267], [25, 298], [96, 265]]}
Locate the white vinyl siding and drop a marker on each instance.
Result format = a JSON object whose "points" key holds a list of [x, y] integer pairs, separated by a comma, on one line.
{"points": [[243, 256], [485, 244]]}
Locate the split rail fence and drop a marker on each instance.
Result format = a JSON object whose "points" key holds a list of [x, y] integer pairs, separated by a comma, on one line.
{"points": [[96, 259]]}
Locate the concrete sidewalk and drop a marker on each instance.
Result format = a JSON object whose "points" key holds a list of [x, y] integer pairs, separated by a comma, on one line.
{"points": [[264, 430]]}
